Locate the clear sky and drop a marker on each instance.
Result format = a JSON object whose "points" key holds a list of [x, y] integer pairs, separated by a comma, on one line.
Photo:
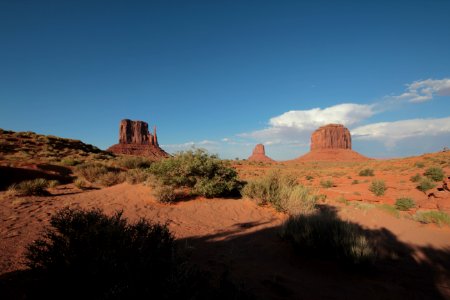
{"points": [[225, 75]]}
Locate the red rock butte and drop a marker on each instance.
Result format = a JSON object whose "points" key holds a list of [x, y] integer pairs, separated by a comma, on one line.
{"points": [[332, 142], [259, 154], [135, 139]]}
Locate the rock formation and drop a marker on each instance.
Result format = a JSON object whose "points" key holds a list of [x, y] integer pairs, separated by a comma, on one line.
{"points": [[332, 142], [332, 136], [135, 139], [259, 154]]}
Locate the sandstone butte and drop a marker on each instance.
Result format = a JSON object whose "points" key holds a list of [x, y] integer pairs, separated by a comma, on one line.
{"points": [[332, 142], [135, 139], [259, 154]]}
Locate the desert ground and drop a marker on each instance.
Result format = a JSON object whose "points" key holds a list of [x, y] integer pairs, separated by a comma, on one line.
{"points": [[239, 237]]}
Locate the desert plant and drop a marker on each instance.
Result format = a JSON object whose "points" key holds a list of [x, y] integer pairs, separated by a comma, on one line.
{"points": [[202, 173], [425, 184], [437, 217], [419, 164], [91, 254], [69, 161], [366, 172], [404, 203], [135, 176], [324, 235], [326, 183], [111, 178], [389, 209], [283, 192], [416, 178], [355, 181], [80, 183], [165, 193], [36, 187], [378, 187], [134, 162], [309, 177], [99, 173], [435, 174], [53, 183]]}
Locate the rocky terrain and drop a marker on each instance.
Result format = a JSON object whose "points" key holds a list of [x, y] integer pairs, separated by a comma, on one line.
{"points": [[332, 142], [259, 154], [135, 139]]}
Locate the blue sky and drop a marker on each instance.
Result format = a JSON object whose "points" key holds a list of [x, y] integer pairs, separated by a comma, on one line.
{"points": [[225, 75]]}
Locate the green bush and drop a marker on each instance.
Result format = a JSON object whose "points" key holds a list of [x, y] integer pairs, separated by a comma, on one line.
{"points": [[165, 193], [202, 173], [324, 235], [366, 172], [435, 174], [36, 187], [404, 203], [326, 183], [97, 256], [378, 187], [283, 192], [425, 184], [437, 217], [134, 176], [416, 178]]}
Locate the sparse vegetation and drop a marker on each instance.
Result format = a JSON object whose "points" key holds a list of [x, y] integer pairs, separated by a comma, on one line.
{"points": [[377, 187], [419, 164], [100, 174], [309, 177], [435, 174], [416, 178], [283, 192], [425, 184], [366, 172], [438, 217], [53, 183], [80, 183], [105, 255], [326, 183], [134, 162], [134, 176], [202, 173], [389, 209], [355, 181], [324, 235], [36, 187], [404, 203]]}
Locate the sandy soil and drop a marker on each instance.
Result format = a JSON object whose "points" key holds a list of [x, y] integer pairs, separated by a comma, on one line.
{"points": [[240, 237]]}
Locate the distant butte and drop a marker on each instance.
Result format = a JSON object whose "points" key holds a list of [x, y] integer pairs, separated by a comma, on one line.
{"points": [[259, 154], [135, 139], [332, 142]]}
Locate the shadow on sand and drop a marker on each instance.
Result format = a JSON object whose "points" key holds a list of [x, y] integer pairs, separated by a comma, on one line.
{"points": [[257, 260]]}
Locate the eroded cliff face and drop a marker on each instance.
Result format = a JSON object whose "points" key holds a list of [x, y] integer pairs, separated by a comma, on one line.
{"points": [[259, 154], [135, 139], [331, 136]]}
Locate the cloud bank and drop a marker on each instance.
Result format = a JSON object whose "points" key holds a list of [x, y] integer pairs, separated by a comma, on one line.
{"points": [[421, 91]]}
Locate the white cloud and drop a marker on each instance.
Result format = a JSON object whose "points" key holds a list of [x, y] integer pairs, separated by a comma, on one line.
{"points": [[424, 90], [295, 127], [392, 132]]}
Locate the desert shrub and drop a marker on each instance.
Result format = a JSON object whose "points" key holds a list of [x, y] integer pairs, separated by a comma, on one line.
{"points": [[404, 203], [366, 172], [135, 176], [437, 217], [80, 183], [389, 209], [36, 187], [309, 177], [378, 187], [416, 178], [355, 181], [53, 183], [283, 192], [101, 174], [435, 174], [326, 183], [419, 164], [324, 235], [91, 254], [134, 162], [111, 178], [202, 173], [425, 184], [69, 161], [165, 193]]}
